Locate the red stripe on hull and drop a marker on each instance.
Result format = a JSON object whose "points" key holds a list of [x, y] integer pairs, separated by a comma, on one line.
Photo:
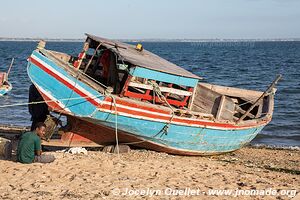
{"points": [[175, 119], [52, 104], [63, 81]]}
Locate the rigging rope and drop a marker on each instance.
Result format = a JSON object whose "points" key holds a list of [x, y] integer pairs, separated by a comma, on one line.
{"points": [[108, 92], [48, 101], [60, 114], [162, 98]]}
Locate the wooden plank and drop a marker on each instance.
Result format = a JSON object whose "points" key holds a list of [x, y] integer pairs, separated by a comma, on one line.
{"points": [[270, 109], [162, 89], [239, 109], [198, 108], [192, 99], [74, 72], [150, 98], [62, 56], [194, 113], [59, 143], [202, 101], [13, 129], [220, 109], [207, 93], [259, 110], [228, 111], [227, 107], [206, 100], [231, 91]]}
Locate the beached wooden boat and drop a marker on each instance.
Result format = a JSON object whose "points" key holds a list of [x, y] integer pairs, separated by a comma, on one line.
{"points": [[151, 102], [5, 85], [5, 88]]}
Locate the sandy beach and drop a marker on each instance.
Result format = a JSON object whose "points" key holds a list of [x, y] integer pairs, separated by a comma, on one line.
{"points": [[143, 174]]}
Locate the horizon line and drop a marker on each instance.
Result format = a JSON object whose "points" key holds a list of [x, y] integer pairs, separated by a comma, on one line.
{"points": [[153, 39]]}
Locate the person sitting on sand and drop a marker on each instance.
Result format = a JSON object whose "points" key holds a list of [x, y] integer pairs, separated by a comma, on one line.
{"points": [[29, 147]]}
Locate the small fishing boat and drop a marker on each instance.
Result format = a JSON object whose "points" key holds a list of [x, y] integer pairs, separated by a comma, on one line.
{"points": [[114, 92], [5, 85], [5, 88]]}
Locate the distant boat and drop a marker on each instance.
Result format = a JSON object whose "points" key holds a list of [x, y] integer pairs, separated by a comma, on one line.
{"points": [[5, 85], [114, 90]]}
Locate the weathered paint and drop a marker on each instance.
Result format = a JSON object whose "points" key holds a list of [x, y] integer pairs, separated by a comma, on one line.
{"points": [[133, 108], [160, 76], [193, 137]]}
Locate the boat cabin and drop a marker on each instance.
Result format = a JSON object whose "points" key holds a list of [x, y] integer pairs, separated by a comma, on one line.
{"points": [[135, 73]]}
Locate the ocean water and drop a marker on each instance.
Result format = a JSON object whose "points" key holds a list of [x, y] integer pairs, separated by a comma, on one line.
{"points": [[251, 65]]}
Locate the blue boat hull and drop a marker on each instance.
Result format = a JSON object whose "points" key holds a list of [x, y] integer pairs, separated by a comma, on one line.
{"points": [[54, 83]]}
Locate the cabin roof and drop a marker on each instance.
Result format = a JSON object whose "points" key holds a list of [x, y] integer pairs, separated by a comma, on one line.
{"points": [[143, 58]]}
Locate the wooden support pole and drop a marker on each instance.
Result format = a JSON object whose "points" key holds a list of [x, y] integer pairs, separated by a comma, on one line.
{"points": [[90, 61], [239, 109], [11, 64], [261, 97]]}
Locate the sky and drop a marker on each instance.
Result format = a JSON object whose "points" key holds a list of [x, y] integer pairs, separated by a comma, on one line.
{"points": [[152, 19]]}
